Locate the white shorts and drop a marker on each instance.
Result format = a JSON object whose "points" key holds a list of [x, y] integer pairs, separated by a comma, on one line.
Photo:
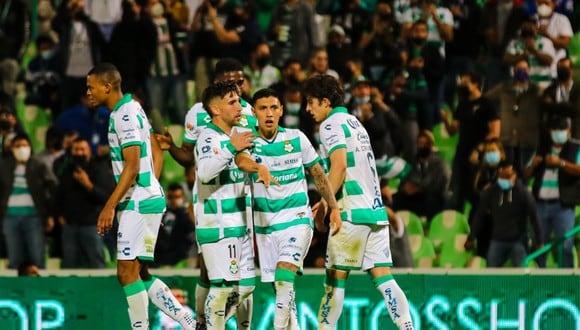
{"points": [[359, 245], [137, 235], [288, 245], [222, 259]]}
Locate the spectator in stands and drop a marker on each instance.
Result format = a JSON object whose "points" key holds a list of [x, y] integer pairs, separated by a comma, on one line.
{"points": [[14, 37], [262, 74], [350, 15], [62, 163], [475, 119], [176, 235], [293, 102], [292, 75], [42, 78], [53, 148], [133, 46], [46, 14], [179, 11], [10, 126], [105, 13], [556, 173], [423, 189], [399, 242], [501, 20], [167, 81], [26, 188], [339, 51], [511, 207], [537, 50], [319, 64], [562, 97], [292, 31], [519, 112], [82, 192], [556, 27], [80, 47]]}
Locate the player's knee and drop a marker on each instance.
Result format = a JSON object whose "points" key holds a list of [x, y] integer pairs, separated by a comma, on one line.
{"points": [[287, 266], [127, 271]]}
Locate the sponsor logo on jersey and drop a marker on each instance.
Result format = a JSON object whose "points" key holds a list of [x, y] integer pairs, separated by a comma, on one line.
{"points": [[126, 251], [296, 256], [205, 149]]}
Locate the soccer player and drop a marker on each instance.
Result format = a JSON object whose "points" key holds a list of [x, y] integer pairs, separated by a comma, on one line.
{"points": [[221, 216], [138, 198], [282, 214], [363, 240], [226, 70]]}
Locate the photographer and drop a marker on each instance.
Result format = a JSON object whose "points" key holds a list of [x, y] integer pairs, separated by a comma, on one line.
{"points": [[42, 78]]}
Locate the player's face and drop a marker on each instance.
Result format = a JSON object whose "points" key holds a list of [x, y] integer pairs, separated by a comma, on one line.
{"points": [[268, 111], [230, 109], [318, 108], [236, 77], [97, 92]]}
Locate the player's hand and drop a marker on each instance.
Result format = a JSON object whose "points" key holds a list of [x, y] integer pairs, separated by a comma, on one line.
{"points": [[61, 220], [165, 140], [49, 224], [443, 114], [537, 160], [81, 176], [468, 244], [319, 211], [242, 141], [335, 221], [543, 30], [105, 221], [266, 177]]}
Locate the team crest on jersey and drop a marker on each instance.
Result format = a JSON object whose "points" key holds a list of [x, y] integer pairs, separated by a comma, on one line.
{"points": [[234, 268], [244, 121], [288, 146]]}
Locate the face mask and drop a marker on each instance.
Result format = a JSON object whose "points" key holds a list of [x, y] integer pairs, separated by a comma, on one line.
{"points": [[415, 72], [4, 125], [419, 41], [492, 157], [79, 160], [423, 152], [47, 54], [521, 75], [22, 154], [463, 92], [505, 184], [559, 136], [262, 61], [563, 74], [544, 10], [157, 10], [527, 33], [362, 100], [178, 202], [293, 107]]}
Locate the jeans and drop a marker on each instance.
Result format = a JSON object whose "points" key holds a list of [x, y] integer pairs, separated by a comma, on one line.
{"points": [[554, 217], [24, 240], [163, 89], [82, 247], [500, 251]]}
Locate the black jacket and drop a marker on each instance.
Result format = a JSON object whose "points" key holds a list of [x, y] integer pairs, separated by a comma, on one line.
{"points": [[176, 236], [570, 109]]}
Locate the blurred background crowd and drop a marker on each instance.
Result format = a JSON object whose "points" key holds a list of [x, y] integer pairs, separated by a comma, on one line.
{"points": [[471, 106]]}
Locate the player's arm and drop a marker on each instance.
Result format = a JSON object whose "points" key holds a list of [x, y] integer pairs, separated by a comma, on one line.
{"points": [[323, 185], [337, 172], [183, 155], [213, 159], [157, 155], [248, 165], [132, 157]]}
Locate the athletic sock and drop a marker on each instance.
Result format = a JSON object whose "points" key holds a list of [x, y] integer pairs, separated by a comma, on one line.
{"points": [[138, 305], [331, 304], [201, 291], [215, 306], [284, 284], [241, 303], [163, 298], [396, 301]]}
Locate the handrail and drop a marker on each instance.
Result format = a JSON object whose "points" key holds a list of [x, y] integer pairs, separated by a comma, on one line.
{"points": [[550, 245]]}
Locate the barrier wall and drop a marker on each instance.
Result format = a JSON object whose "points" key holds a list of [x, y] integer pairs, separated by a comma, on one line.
{"points": [[438, 301]]}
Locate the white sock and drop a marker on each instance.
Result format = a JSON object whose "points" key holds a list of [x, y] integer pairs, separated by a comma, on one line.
{"points": [[293, 325], [284, 298], [138, 305], [396, 301], [331, 304], [163, 298], [215, 307], [201, 291], [241, 303]]}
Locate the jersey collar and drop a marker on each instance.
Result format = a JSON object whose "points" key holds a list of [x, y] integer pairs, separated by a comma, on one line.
{"points": [[243, 102], [215, 128], [337, 110], [126, 99]]}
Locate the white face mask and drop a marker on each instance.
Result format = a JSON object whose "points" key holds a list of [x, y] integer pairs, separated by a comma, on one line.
{"points": [[22, 154], [157, 10], [544, 10]]}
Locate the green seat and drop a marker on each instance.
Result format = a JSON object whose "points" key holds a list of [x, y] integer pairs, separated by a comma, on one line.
{"points": [[476, 262], [453, 254], [574, 49], [422, 250], [445, 144], [445, 226], [413, 223]]}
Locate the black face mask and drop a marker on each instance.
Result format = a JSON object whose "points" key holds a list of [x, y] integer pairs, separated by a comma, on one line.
{"points": [[419, 41], [527, 33], [415, 72], [79, 160], [423, 152], [463, 92], [563, 74], [4, 125], [262, 61]]}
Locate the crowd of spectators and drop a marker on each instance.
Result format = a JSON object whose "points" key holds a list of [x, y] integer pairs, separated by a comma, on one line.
{"points": [[499, 73]]}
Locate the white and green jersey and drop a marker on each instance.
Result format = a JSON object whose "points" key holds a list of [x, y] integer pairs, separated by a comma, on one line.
{"points": [[197, 118], [287, 205], [220, 198], [128, 126], [359, 198], [539, 73]]}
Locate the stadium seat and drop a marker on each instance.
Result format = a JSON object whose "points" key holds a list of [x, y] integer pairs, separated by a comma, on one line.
{"points": [[423, 252], [574, 49], [445, 144], [476, 262], [445, 226], [453, 254], [413, 223]]}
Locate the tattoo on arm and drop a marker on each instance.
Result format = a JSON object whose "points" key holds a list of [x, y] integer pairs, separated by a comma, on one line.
{"points": [[323, 185]]}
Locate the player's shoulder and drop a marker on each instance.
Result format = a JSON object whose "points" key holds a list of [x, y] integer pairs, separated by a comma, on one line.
{"points": [[196, 108]]}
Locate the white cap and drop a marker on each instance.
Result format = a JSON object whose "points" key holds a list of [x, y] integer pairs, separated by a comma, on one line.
{"points": [[338, 29]]}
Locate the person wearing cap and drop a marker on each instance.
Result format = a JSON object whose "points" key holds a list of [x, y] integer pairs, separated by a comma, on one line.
{"points": [[556, 173], [339, 50]]}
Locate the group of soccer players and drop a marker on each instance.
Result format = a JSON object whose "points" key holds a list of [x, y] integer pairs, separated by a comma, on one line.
{"points": [[250, 180]]}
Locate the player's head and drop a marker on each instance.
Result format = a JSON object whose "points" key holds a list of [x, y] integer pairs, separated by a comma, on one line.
{"points": [[268, 110], [323, 93], [102, 81], [229, 70], [222, 100]]}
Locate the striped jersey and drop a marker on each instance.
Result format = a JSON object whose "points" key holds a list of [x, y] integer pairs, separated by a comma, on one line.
{"points": [[197, 118], [20, 201], [220, 198], [359, 198], [128, 126], [285, 156]]}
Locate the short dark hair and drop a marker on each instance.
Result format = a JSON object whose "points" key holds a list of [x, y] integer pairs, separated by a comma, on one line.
{"points": [[473, 76], [108, 73], [325, 86], [227, 64], [220, 90], [506, 163], [44, 39], [174, 186], [559, 122], [81, 139], [289, 62], [21, 136], [262, 93]]}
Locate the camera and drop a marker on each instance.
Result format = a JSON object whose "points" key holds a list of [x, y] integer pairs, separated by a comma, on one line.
{"points": [[214, 3]]}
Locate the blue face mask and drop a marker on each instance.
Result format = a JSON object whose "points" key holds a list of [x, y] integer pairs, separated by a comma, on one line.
{"points": [[492, 157], [47, 54], [293, 107], [505, 184], [362, 100], [559, 136]]}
